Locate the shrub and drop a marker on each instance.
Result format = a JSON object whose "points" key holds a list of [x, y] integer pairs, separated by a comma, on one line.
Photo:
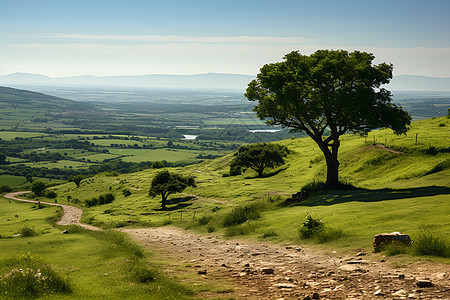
{"points": [[4, 188], [310, 227], [51, 195], [395, 248], [101, 200], [240, 214], [30, 277], [204, 220], [142, 274], [26, 231], [126, 192], [211, 229], [429, 244]]}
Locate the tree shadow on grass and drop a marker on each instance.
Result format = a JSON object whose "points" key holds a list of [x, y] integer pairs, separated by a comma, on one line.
{"points": [[366, 195], [178, 203]]}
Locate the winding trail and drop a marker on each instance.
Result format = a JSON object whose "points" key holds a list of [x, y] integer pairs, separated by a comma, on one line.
{"points": [[71, 216], [247, 269]]}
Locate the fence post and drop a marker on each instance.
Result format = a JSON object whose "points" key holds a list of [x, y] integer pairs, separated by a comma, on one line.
{"points": [[416, 137], [181, 215]]}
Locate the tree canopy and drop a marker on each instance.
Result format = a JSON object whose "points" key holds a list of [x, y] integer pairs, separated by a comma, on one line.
{"points": [[331, 90], [38, 188], [166, 183], [259, 157]]}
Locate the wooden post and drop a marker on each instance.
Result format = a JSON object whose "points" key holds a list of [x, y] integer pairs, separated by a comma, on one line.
{"points": [[416, 137], [169, 216], [181, 215], [194, 214]]}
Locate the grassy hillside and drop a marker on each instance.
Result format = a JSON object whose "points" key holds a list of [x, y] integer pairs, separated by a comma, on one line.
{"points": [[102, 264], [16, 99], [402, 187]]}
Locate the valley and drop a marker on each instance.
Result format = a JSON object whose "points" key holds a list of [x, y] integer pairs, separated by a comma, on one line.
{"points": [[188, 250]]}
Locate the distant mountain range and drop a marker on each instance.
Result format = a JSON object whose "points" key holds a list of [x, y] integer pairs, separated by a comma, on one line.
{"points": [[215, 81], [200, 81]]}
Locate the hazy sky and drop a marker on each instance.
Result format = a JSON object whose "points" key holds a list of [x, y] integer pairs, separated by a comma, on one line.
{"points": [[133, 37]]}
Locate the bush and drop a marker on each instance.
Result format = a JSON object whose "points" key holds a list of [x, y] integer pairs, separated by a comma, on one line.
{"points": [[394, 248], [240, 214], [4, 188], [126, 192], [314, 228], [51, 195], [310, 227], [27, 231], [142, 274], [101, 200], [204, 220], [428, 244], [30, 277]]}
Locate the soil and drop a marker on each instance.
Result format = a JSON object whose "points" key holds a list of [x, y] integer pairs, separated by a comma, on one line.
{"points": [[245, 269], [254, 270]]}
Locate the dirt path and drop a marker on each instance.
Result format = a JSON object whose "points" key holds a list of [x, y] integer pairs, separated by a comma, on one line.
{"points": [[256, 270], [71, 216], [246, 269]]}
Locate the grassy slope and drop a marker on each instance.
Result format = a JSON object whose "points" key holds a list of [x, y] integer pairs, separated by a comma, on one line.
{"points": [[405, 192], [97, 264]]}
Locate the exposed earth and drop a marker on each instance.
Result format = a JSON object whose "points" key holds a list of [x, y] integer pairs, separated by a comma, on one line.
{"points": [[245, 269]]}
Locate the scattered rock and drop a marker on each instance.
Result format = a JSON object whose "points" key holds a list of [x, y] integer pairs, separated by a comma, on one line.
{"points": [[360, 254], [423, 283], [307, 298], [401, 276], [267, 271], [379, 292], [386, 238], [285, 285], [201, 272], [64, 231]]}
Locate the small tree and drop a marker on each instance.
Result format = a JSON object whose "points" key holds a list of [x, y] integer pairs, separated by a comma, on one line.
{"points": [[258, 157], [77, 180], [166, 183], [38, 188]]}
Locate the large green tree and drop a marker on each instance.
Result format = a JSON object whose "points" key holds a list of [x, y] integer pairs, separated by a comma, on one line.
{"points": [[166, 183], [331, 90], [259, 157]]}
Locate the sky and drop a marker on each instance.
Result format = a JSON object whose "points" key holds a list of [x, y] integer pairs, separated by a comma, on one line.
{"points": [[135, 37]]}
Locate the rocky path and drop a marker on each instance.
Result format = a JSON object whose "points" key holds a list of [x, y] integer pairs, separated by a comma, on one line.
{"points": [[71, 216], [246, 269], [256, 270]]}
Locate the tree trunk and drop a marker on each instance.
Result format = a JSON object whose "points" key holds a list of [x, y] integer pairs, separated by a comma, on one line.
{"points": [[332, 172], [163, 201], [331, 157]]}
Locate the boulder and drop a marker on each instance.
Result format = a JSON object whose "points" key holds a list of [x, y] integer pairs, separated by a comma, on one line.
{"points": [[385, 238]]}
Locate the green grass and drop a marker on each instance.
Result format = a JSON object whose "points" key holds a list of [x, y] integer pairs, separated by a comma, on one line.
{"points": [[396, 192], [12, 179], [11, 135], [102, 265]]}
